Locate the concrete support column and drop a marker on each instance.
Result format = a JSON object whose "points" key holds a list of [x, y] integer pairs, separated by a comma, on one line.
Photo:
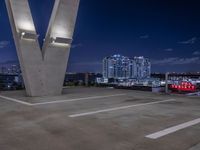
{"points": [[43, 69]]}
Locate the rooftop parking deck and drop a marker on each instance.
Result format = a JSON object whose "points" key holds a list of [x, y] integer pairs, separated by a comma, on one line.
{"points": [[99, 119]]}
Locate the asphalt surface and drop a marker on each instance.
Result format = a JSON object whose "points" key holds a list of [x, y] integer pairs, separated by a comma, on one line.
{"points": [[98, 119]]}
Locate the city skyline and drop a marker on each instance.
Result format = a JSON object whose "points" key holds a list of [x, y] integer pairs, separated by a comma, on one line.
{"points": [[123, 67], [165, 32]]}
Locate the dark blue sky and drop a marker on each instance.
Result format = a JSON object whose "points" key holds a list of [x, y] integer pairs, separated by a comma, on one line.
{"points": [[166, 31]]}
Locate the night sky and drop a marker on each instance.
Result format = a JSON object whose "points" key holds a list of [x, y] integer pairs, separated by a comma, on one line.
{"points": [[166, 31]]}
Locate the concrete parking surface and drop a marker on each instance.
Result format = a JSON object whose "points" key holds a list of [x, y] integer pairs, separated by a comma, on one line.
{"points": [[99, 119]]}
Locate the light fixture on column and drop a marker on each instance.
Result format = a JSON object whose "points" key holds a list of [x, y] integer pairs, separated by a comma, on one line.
{"points": [[61, 41], [28, 35]]}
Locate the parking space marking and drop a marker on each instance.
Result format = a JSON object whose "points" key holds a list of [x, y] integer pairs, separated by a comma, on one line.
{"points": [[118, 108], [59, 101], [173, 129], [78, 99], [16, 100]]}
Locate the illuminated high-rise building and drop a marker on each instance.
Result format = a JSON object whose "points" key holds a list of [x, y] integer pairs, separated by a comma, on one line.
{"points": [[141, 67], [116, 66], [121, 67]]}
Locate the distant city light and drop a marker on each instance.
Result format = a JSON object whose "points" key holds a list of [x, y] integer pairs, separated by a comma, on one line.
{"points": [[184, 86]]}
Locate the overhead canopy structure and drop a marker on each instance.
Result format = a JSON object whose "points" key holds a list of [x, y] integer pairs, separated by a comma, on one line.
{"points": [[43, 70]]}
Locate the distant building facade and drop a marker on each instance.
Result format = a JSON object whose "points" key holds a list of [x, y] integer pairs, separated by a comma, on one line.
{"points": [[116, 66], [11, 82], [81, 78], [11, 69], [141, 67], [10, 76], [121, 67]]}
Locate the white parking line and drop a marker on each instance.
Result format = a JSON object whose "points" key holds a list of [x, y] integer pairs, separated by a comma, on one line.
{"points": [[118, 108], [173, 129], [78, 99], [59, 101], [16, 100]]}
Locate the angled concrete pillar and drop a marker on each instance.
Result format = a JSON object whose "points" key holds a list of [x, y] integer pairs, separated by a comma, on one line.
{"points": [[43, 70]]}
